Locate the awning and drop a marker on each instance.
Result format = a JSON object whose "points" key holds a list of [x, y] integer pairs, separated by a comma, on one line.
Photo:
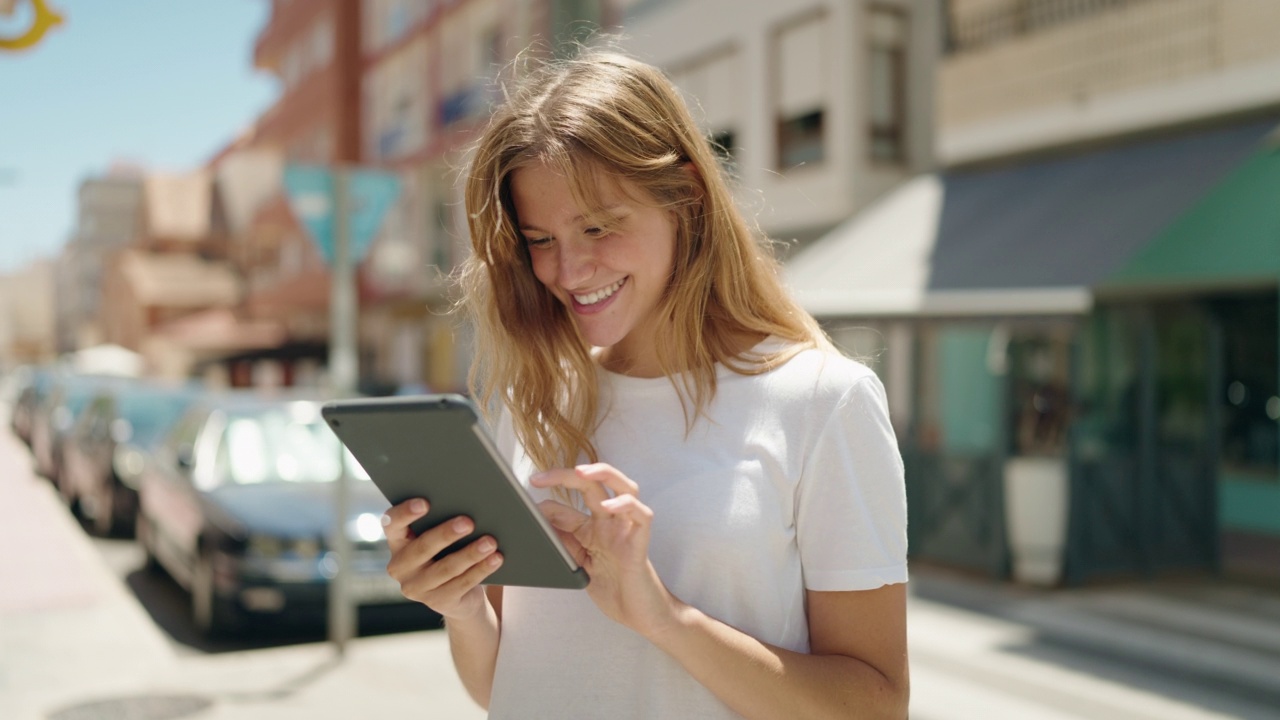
{"points": [[1229, 240], [1033, 238]]}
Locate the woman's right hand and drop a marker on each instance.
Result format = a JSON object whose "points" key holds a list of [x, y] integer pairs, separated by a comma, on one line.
{"points": [[450, 585]]}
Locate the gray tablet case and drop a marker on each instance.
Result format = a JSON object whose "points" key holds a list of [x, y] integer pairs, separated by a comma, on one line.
{"points": [[436, 447]]}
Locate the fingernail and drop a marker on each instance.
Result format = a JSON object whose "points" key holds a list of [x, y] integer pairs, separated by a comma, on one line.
{"points": [[386, 521], [537, 477], [487, 545], [417, 505], [461, 525], [494, 560]]}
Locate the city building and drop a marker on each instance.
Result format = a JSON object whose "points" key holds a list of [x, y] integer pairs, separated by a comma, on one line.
{"points": [[818, 107], [27, 313], [1076, 312], [431, 76], [108, 213], [173, 270], [312, 48]]}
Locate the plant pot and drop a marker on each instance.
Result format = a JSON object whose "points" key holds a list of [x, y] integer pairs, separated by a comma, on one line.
{"points": [[1035, 500]]}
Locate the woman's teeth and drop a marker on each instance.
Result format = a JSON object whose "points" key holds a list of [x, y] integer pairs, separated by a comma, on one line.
{"points": [[599, 295]]}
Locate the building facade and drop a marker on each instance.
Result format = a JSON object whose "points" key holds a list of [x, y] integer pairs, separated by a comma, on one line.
{"points": [[432, 73], [818, 106], [109, 213], [27, 316], [1055, 317]]}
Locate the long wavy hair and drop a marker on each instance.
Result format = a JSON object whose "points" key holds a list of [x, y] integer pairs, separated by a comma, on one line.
{"points": [[603, 113]]}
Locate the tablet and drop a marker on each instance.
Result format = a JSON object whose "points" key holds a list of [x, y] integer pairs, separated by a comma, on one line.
{"points": [[436, 447]]}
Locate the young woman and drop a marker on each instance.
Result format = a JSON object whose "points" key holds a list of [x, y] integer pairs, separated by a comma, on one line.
{"points": [[729, 481]]}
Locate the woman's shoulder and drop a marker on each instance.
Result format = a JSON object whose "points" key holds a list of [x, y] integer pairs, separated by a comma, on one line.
{"points": [[820, 374]]}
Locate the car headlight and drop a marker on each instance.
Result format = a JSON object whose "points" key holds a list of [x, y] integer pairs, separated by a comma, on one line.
{"points": [[271, 547], [265, 546]]}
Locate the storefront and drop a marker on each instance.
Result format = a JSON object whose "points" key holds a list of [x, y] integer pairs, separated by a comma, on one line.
{"points": [[1026, 399]]}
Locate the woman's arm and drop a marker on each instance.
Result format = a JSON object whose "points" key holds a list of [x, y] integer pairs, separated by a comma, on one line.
{"points": [[451, 586], [857, 664], [856, 668], [473, 642]]}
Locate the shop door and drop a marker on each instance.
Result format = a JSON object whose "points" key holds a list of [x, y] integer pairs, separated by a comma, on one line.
{"points": [[954, 452], [1180, 530], [1144, 443]]}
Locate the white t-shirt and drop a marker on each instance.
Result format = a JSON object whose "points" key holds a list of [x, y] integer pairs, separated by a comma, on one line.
{"points": [[794, 482]]}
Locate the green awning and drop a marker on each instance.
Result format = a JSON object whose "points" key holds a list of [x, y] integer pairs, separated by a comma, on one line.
{"points": [[1228, 240]]}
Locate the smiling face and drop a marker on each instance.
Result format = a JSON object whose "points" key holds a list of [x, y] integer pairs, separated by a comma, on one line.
{"points": [[608, 266]]}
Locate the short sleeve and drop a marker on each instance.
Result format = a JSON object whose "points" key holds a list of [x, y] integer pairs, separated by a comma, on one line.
{"points": [[851, 506]]}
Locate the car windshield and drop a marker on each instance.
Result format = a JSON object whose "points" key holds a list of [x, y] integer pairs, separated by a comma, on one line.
{"points": [[150, 413], [277, 446]]}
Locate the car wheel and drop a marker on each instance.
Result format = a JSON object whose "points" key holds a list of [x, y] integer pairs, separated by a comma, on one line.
{"points": [[146, 540], [212, 615], [113, 509], [62, 481]]}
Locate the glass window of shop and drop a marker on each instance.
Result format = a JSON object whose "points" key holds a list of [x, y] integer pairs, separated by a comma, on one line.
{"points": [[1250, 398], [959, 400], [1038, 363]]}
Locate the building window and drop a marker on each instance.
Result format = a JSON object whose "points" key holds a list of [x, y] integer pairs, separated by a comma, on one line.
{"points": [[800, 140], [712, 88], [887, 83], [723, 145], [800, 91]]}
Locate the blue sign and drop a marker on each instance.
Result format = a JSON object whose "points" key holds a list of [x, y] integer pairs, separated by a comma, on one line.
{"points": [[370, 193]]}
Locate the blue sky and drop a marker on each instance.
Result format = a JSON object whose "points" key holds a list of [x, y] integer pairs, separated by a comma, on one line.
{"points": [[162, 83]]}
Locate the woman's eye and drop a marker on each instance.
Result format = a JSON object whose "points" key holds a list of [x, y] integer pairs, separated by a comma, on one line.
{"points": [[538, 242], [595, 231]]}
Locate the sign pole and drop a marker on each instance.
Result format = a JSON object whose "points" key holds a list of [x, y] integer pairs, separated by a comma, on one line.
{"points": [[343, 374], [342, 209]]}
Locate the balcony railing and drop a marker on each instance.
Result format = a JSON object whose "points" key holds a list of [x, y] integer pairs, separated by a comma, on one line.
{"points": [[1121, 45]]}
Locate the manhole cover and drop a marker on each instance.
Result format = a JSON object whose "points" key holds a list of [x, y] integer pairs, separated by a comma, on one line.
{"points": [[148, 707]]}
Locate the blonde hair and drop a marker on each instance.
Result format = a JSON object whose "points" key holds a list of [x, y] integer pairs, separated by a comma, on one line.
{"points": [[603, 113]]}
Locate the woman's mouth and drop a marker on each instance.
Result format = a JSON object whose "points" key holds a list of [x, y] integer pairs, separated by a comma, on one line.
{"points": [[598, 296]]}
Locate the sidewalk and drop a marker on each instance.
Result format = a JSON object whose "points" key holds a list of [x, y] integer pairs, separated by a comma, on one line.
{"points": [[1202, 632], [75, 643]]}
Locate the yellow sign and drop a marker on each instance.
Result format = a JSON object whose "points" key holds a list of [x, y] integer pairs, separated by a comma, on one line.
{"points": [[45, 18]]}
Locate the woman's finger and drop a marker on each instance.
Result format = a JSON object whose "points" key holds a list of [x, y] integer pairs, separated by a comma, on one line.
{"points": [[629, 506], [592, 492], [597, 482], [608, 476], [455, 570], [396, 521], [563, 517], [416, 553]]}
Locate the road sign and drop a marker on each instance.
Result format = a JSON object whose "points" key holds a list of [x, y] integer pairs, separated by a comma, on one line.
{"points": [[370, 193]]}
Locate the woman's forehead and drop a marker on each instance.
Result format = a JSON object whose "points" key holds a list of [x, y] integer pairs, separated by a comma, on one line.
{"points": [[585, 190]]}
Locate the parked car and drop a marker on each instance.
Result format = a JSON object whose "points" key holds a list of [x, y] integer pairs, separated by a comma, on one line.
{"points": [[106, 449], [32, 387], [238, 505], [68, 394]]}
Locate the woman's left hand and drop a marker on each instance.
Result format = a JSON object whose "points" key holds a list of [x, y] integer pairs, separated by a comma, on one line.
{"points": [[611, 542]]}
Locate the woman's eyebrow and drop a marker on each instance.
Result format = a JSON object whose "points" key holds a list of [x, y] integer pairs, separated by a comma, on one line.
{"points": [[616, 212]]}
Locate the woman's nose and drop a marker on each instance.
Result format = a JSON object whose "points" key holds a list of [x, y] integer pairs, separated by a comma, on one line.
{"points": [[577, 263]]}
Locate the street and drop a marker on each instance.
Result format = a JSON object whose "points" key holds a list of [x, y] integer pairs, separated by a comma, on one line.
{"points": [[967, 660]]}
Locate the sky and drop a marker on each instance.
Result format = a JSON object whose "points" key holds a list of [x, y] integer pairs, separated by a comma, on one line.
{"points": [[161, 83]]}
